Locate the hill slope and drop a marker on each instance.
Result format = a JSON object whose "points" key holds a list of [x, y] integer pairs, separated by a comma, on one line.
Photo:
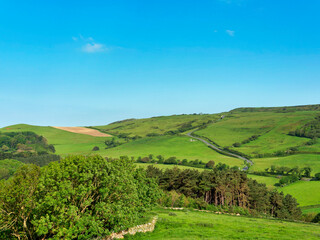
{"points": [[201, 225]]}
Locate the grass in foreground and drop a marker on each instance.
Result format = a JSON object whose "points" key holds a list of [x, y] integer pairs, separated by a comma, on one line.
{"points": [[202, 225]]}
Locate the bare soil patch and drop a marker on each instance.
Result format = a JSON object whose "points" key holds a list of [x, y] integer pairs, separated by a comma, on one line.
{"points": [[83, 130]]}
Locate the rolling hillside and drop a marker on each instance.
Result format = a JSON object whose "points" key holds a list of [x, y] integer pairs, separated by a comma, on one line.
{"points": [[166, 136], [158, 125], [202, 225]]}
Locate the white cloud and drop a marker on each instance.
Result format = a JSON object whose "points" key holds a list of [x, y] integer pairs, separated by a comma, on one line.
{"points": [[88, 44], [94, 47], [230, 33]]}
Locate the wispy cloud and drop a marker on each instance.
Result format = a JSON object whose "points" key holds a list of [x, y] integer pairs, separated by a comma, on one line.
{"points": [[94, 47], [89, 45], [230, 33]]}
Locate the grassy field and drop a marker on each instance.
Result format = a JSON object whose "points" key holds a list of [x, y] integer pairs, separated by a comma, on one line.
{"points": [[301, 160], [202, 225], [166, 166], [158, 125], [64, 142], [269, 181], [306, 193], [178, 146], [272, 126], [311, 209]]}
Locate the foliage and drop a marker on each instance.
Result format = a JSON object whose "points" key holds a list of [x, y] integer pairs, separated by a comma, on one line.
{"points": [[210, 164], [288, 179], [8, 167], [95, 148], [111, 143], [40, 160], [23, 144], [223, 186], [316, 218], [309, 130], [76, 198], [17, 203]]}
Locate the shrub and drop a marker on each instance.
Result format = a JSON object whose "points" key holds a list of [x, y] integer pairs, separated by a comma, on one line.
{"points": [[95, 148], [76, 198], [316, 218], [17, 203], [210, 164]]}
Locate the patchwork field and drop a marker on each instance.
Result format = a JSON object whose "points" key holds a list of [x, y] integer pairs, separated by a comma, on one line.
{"points": [[301, 160], [165, 166], [178, 146], [64, 142], [269, 181], [201, 225], [83, 130], [306, 193], [272, 127], [157, 125]]}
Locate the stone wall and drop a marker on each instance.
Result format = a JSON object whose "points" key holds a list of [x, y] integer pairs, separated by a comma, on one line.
{"points": [[148, 227]]}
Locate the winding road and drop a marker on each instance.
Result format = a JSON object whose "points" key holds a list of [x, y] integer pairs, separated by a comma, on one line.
{"points": [[220, 150]]}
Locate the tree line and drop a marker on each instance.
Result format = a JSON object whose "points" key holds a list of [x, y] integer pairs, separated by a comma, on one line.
{"points": [[226, 187], [159, 159]]}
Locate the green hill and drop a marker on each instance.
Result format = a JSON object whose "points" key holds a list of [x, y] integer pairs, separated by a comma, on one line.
{"points": [[179, 146], [202, 225], [165, 125], [64, 142], [255, 133]]}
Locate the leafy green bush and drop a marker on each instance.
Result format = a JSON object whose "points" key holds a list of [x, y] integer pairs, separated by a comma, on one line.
{"points": [[316, 218], [76, 198], [17, 203]]}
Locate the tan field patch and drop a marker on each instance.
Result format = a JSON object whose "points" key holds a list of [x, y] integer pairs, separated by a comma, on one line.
{"points": [[83, 130]]}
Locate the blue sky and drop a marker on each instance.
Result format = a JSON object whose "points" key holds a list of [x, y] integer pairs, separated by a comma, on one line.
{"points": [[78, 63]]}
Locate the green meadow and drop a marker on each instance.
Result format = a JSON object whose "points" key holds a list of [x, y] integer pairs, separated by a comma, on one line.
{"points": [[166, 166], [273, 128], [301, 160], [64, 142], [202, 225], [306, 193], [311, 209], [178, 146], [269, 181], [156, 125]]}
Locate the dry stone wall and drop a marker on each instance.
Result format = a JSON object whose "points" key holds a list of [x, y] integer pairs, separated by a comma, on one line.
{"points": [[148, 227]]}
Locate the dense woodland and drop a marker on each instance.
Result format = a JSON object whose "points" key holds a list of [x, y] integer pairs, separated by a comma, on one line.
{"points": [[23, 144], [226, 187], [25, 147]]}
